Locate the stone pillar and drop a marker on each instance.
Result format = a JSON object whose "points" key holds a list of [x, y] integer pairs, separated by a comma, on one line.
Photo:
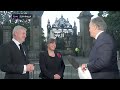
{"points": [[84, 19], [118, 57], [6, 33], [1, 35], [35, 36], [48, 29], [79, 40]]}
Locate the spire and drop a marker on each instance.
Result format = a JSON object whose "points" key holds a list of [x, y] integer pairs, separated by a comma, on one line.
{"points": [[48, 21], [56, 18], [74, 23], [67, 19], [48, 25], [61, 16], [75, 27]]}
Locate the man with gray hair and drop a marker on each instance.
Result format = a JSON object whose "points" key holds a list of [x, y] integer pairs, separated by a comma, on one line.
{"points": [[103, 58], [14, 60]]}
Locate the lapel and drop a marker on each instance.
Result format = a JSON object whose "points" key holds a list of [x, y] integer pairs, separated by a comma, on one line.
{"points": [[25, 51], [15, 46], [99, 40], [16, 49]]}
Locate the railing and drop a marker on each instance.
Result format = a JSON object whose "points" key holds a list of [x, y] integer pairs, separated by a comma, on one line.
{"points": [[2, 74], [70, 72]]}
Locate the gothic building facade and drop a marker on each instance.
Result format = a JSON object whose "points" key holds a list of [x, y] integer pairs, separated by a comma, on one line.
{"points": [[62, 29]]}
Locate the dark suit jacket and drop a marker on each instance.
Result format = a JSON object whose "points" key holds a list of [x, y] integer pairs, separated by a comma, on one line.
{"points": [[103, 58], [51, 65], [12, 61]]}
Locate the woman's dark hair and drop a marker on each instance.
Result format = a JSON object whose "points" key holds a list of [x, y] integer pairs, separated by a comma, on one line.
{"points": [[51, 40]]}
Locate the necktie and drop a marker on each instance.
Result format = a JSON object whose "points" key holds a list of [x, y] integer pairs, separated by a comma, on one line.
{"points": [[21, 49]]}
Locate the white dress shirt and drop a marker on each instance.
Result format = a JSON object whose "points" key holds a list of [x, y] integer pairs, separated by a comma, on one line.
{"points": [[17, 43], [98, 34]]}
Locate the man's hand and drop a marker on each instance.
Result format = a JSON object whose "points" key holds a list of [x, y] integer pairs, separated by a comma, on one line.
{"points": [[29, 67], [84, 66], [56, 76]]}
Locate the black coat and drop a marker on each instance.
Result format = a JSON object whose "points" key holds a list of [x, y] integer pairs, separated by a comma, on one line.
{"points": [[103, 58], [51, 65], [12, 61]]}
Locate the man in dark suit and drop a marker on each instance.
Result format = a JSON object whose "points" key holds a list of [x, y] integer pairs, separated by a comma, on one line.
{"points": [[103, 58], [13, 58]]}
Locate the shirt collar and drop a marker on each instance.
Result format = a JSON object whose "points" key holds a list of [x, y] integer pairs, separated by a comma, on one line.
{"points": [[98, 34], [16, 42]]}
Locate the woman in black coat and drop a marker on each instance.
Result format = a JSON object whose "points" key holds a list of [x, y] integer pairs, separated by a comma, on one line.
{"points": [[51, 62]]}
